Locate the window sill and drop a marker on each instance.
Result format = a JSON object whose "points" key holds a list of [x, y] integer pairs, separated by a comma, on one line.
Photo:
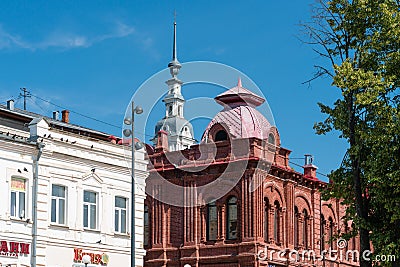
{"points": [[121, 235], [19, 220], [91, 230], [209, 242], [231, 241], [59, 226]]}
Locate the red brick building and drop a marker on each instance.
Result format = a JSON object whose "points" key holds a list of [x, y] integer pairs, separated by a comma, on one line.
{"points": [[269, 208]]}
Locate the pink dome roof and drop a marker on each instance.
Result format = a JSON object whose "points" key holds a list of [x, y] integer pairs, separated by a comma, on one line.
{"points": [[239, 116]]}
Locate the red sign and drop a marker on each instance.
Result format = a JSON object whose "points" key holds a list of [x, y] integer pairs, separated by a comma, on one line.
{"points": [[13, 249], [94, 258], [18, 184]]}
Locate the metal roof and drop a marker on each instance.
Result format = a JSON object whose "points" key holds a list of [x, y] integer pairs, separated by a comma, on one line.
{"points": [[26, 116]]}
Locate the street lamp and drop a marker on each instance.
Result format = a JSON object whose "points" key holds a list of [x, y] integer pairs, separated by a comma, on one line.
{"points": [[86, 259], [130, 132]]}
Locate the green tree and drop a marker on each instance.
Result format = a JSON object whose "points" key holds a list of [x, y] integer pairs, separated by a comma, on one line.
{"points": [[361, 40]]}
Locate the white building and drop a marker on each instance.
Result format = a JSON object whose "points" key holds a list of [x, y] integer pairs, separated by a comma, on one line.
{"points": [[83, 194]]}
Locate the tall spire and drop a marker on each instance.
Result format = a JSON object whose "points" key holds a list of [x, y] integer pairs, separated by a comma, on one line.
{"points": [[180, 131], [174, 55], [174, 65]]}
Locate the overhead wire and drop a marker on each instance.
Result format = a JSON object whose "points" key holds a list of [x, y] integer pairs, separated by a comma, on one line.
{"points": [[86, 116], [298, 165], [36, 104], [118, 127]]}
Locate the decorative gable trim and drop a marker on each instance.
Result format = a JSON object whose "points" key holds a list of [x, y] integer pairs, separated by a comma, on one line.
{"points": [[87, 176]]}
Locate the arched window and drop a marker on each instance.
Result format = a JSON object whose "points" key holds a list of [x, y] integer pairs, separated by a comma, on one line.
{"points": [[232, 221], [277, 225], [170, 110], [146, 233], [212, 221], [221, 135], [330, 232], [296, 227], [271, 139], [322, 232], [266, 218], [305, 228]]}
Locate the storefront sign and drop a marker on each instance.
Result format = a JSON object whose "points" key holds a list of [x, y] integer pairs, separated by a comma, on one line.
{"points": [[101, 259], [13, 249]]}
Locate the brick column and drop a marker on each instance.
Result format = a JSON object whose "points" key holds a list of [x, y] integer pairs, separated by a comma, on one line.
{"points": [[271, 225], [157, 218], [301, 230], [222, 222], [203, 223], [310, 232], [248, 204], [190, 212], [282, 226], [290, 218]]}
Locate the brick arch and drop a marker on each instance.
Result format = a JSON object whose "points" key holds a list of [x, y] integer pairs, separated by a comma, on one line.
{"points": [[205, 193], [216, 128], [302, 202], [233, 193], [275, 133], [273, 192], [328, 212]]}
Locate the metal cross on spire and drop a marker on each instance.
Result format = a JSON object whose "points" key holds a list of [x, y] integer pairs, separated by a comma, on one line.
{"points": [[175, 16]]}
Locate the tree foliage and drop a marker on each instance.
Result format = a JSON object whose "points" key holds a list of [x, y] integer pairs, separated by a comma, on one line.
{"points": [[361, 41]]}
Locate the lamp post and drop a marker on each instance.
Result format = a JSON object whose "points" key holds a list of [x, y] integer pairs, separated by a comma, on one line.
{"points": [[130, 132], [86, 259]]}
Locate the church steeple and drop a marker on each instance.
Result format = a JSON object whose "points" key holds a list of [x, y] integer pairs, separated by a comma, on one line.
{"points": [[174, 100], [180, 131]]}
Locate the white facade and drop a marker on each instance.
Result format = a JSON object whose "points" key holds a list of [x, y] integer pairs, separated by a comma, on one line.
{"points": [[70, 165]]}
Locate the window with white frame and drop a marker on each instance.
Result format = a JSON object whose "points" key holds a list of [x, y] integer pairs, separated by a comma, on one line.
{"points": [[18, 197], [90, 209], [120, 215], [58, 204]]}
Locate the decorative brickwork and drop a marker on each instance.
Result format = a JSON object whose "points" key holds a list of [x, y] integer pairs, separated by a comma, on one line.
{"points": [[270, 207]]}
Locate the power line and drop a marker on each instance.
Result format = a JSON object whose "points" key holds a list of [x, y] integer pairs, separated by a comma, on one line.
{"points": [[298, 165], [80, 114], [36, 104], [86, 116]]}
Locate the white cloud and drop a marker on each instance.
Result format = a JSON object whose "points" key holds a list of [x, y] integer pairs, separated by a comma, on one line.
{"points": [[64, 40], [121, 30], [8, 40]]}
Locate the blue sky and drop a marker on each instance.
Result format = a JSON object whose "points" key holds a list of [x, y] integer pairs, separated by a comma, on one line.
{"points": [[91, 56]]}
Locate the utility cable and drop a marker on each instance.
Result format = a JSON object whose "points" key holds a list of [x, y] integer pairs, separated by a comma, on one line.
{"points": [[86, 116]]}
